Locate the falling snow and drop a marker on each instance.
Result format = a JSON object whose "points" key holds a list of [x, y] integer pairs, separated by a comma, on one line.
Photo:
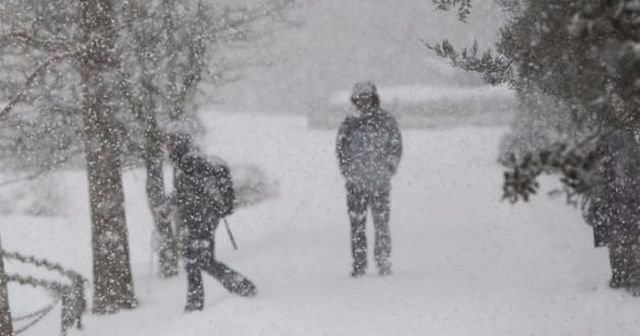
{"points": [[294, 167]]}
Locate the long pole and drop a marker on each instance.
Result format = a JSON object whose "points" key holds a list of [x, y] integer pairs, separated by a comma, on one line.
{"points": [[233, 241]]}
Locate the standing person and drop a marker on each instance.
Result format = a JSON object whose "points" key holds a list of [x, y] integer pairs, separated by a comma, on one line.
{"points": [[614, 206], [203, 194], [369, 148]]}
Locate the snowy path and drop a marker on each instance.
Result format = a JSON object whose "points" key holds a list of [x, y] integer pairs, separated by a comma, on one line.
{"points": [[464, 263]]}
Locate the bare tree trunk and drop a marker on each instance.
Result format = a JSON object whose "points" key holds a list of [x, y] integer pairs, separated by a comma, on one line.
{"points": [[6, 328], [113, 282], [167, 251], [144, 109]]}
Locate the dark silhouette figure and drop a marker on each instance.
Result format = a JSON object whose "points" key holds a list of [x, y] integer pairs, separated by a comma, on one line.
{"points": [[614, 207], [200, 203], [369, 148]]}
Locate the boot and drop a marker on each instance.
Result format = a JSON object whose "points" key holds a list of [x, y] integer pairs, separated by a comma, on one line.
{"points": [[239, 285], [615, 282], [359, 269], [193, 306], [245, 288], [384, 268]]}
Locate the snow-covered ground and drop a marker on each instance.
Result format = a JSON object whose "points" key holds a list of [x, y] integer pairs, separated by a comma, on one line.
{"points": [[464, 262]]}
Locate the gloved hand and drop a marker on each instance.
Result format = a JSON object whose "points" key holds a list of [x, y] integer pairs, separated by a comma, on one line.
{"points": [[166, 208], [392, 165]]}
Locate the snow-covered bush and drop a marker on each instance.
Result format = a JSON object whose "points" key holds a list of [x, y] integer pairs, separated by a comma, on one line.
{"points": [[42, 196], [252, 185]]}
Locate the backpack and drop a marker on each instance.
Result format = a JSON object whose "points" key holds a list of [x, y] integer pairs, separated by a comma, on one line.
{"points": [[219, 187]]}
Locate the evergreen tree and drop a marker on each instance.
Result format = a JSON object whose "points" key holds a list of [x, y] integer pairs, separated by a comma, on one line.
{"points": [[582, 54], [578, 53]]}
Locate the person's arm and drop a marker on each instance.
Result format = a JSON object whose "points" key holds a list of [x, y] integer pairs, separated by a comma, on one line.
{"points": [[596, 196], [340, 146], [167, 207], [394, 146]]}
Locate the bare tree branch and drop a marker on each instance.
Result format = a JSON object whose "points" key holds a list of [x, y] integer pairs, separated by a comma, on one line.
{"points": [[231, 20], [32, 41], [31, 78]]}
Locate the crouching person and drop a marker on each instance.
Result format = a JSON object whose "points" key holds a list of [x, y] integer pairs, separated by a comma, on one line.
{"points": [[203, 195]]}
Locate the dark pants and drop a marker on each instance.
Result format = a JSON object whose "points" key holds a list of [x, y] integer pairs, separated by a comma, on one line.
{"points": [[624, 256], [614, 225], [199, 256], [359, 200]]}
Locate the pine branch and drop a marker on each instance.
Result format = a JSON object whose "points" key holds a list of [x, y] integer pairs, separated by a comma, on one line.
{"points": [[574, 163], [496, 69], [464, 7]]}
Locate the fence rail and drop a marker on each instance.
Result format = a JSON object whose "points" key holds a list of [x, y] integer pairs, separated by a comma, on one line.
{"points": [[71, 294]]}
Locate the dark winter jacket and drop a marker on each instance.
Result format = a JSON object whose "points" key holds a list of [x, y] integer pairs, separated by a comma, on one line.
{"points": [[194, 199], [614, 208], [369, 148]]}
